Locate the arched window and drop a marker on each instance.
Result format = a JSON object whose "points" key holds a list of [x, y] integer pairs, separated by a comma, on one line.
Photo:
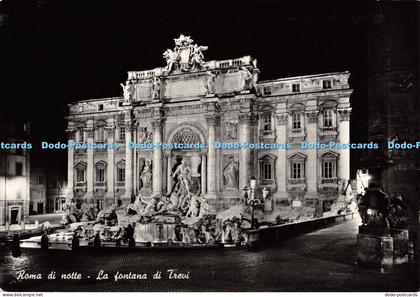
{"points": [[100, 131], [80, 135], [266, 119], [100, 173], [80, 170], [329, 167], [120, 173], [297, 172], [297, 166], [267, 169], [297, 120], [328, 116]]}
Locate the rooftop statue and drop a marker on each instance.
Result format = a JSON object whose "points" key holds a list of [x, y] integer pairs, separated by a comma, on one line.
{"points": [[185, 56], [155, 92], [128, 91]]}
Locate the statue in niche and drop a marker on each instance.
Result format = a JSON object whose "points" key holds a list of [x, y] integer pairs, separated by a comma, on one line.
{"points": [[146, 176], [128, 91], [231, 130], [230, 174], [210, 82], [247, 78], [156, 88], [183, 172]]}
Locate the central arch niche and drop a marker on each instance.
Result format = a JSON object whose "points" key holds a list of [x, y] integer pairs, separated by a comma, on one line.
{"points": [[186, 136], [188, 133]]}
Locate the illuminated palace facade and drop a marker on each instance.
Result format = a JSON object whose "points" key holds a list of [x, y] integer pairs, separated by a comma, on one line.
{"points": [[193, 101]]}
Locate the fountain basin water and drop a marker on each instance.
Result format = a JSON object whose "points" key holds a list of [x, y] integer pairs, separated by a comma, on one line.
{"points": [[154, 232], [57, 241]]}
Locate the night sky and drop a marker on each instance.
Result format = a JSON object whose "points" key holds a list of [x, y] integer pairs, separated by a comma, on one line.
{"points": [[54, 52]]}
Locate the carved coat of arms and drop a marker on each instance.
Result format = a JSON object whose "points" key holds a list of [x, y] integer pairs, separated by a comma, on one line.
{"points": [[185, 56]]}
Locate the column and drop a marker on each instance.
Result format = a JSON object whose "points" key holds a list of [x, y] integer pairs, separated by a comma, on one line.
{"points": [[203, 173], [344, 137], [281, 162], [128, 163], [211, 162], [311, 172], [110, 169], [245, 153], [135, 161], [168, 172], [89, 170], [70, 168], [157, 157]]}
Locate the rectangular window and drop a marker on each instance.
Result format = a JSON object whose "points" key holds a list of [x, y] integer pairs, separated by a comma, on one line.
{"points": [[80, 175], [100, 134], [121, 174], [122, 133], [328, 118], [296, 170], [267, 123], [296, 121], [326, 84], [266, 170], [40, 180], [100, 107], [328, 169], [19, 168], [267, 90], [100, 175], [295, 88]]}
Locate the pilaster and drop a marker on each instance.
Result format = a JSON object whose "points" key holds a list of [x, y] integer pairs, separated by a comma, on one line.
{"points": [[110, 196], [344, 137]]}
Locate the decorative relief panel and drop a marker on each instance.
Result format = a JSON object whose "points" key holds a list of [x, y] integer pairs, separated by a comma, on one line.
{"points": [[230, 130], [145, 135]]}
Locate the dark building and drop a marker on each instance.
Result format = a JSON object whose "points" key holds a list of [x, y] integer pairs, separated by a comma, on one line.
{"points": [[14, 173], [393, 93]]}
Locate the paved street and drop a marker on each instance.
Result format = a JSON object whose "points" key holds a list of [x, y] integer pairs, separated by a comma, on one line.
{"points": [[320, 261]]}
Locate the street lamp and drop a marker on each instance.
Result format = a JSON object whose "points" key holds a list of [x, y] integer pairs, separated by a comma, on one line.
{"points": [[249, 196]]}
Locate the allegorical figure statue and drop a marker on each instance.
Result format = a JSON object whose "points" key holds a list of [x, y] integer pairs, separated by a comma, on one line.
{"points": [[255, 76], [247, 78], [231, 130], [156, 88], [128, 91], [171, 58], [146, 175], [197, 57], [184, 175], [210, 82], [230, 174]]}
